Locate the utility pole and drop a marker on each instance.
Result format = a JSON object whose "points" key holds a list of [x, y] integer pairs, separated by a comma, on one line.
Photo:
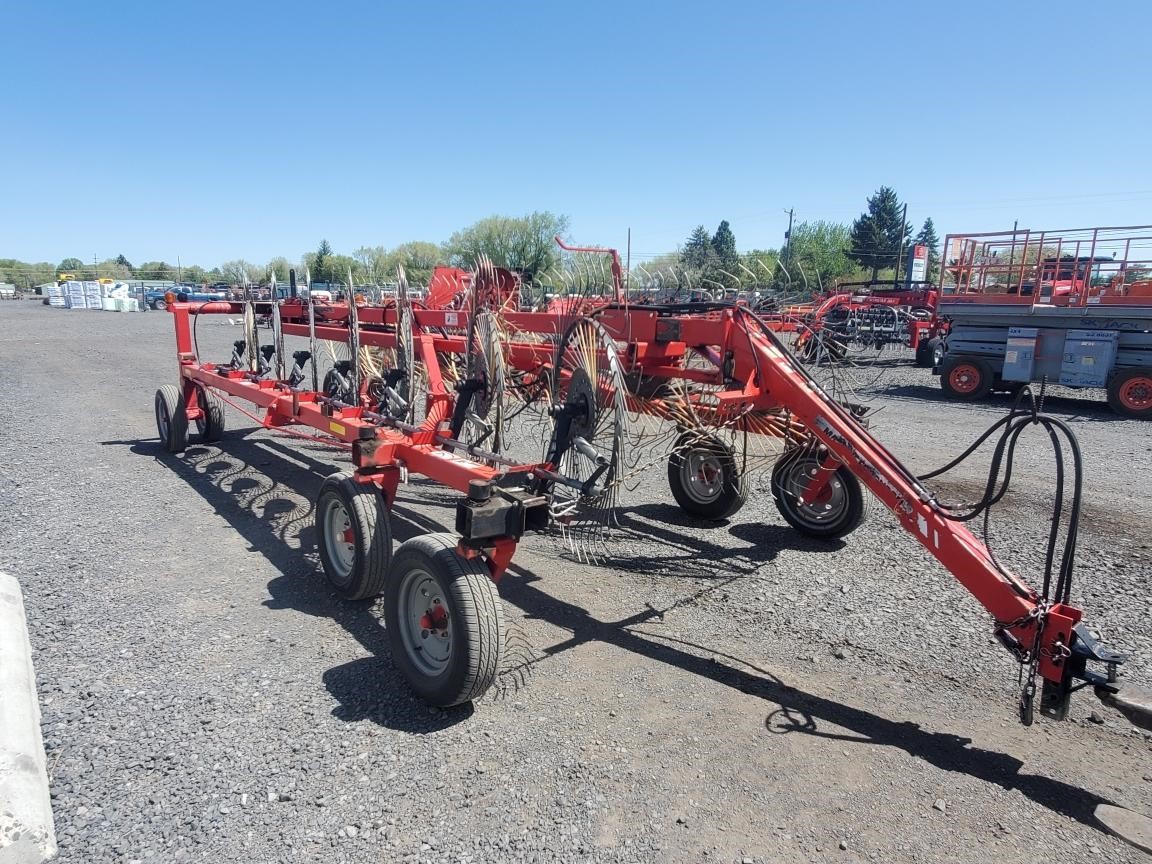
{"points": [[628, 266], [900, 248], [788, 233]]}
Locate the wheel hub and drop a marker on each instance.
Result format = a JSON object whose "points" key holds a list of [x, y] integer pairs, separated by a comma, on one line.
{"points": [[826, 504], [425, 623], [580, 403], [1137, 394], [434, 618], [703, 475], [340, 538], [964, 379]]}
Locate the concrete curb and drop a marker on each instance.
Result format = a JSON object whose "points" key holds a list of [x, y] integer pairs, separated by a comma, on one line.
{"points": [[27, 832]]}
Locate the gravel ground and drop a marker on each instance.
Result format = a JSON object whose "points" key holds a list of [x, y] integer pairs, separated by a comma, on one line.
{"points": [[205, 697]]}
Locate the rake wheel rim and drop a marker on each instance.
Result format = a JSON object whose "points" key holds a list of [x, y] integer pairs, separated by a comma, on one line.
{"points": [[588, 347]]}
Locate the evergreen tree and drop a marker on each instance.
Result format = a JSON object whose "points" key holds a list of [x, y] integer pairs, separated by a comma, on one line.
{"points": [[698, 250], [319, 263], [724, 245], [927, 237], [875, 241]]}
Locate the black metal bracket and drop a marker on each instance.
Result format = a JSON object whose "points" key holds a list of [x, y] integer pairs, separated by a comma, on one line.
{"points": [[466, 388], [490, 512], [1055, 697], [667, 330]]}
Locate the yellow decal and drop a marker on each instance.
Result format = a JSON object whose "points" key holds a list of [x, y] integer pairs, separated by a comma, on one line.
{"points": [[335, 428]]}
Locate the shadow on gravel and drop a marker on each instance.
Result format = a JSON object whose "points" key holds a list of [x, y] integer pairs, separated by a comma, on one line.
{"points": [[693, 554], [371, 688], [265, 491], [799, 711]]}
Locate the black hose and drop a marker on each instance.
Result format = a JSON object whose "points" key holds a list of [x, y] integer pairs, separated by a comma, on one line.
{"points": [[195, 341], [996, 487]]}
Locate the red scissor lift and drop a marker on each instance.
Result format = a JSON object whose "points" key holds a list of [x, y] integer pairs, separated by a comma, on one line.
{"points": [[587, 372], [1070, 306]]}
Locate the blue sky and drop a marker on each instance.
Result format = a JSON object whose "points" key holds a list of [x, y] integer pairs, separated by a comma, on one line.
{"points": [[210, 131]]}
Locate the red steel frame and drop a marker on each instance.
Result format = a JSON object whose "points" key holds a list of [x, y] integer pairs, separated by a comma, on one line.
{"points": [[654, 344], [378, 453], [977, 268], [772, 381]]}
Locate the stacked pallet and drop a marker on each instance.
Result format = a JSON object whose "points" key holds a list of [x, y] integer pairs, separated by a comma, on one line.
{"points": [[56, 297], [75, 294]]}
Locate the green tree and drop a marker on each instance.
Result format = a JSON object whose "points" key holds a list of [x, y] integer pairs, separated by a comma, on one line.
{"points": [[196, 275], [654, 269], [24, 274], [240, 272], [875, 241], [657, 277], [927, 237], [758, 269], [725, 268], [111, 268], [319, 263], [155, 270], [70, 265], [340, 267], [524, 244], [373, 262], [698, 253], [279, 267], [724, 245], [124, 263], [818, 253], [418, 258]]}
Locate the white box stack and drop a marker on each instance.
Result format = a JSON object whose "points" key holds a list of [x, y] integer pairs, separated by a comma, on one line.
{"points": [[93, 295], [74, 293]]}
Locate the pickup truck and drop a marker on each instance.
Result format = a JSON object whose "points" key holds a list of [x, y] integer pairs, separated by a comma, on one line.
{"points": [[155, 299]]}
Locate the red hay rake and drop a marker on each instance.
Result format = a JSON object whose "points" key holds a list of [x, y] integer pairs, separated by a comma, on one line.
{"points": [[537, 418]]}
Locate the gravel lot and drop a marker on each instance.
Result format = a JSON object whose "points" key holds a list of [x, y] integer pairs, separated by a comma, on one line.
{"points": [[205, 697]]}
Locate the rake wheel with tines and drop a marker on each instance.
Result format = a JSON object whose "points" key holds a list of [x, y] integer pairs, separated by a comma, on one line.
{"points": [[589, 416], [478, 378], [728, 377], [400, 380]]}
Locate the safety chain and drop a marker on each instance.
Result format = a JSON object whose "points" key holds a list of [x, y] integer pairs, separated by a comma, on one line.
{"points": [[1030, 659]]}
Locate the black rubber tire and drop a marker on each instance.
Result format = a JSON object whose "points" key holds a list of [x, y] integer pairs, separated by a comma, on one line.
{"points": [[211, 425], [475, 617], [1115, 384], [982, 384], [371, 537], [839, 524], [159, 305], [733, 491], [171, 418], [927, 353]]}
